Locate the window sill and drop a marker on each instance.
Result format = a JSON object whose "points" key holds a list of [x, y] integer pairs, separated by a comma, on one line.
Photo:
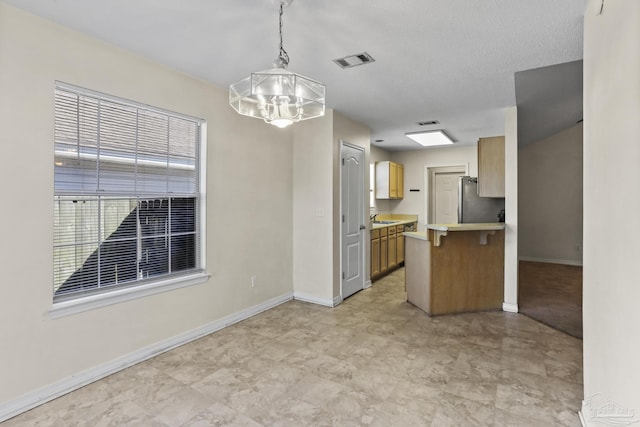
{"points": [[68, 308]]}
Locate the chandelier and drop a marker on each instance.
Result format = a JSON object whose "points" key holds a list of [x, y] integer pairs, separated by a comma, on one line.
{"points": [[278, 96]]}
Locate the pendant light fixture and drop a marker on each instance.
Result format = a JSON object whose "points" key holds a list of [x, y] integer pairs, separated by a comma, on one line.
{"points": [[278, 96]]}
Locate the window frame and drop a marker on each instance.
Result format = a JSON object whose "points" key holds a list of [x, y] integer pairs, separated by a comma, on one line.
{"points": [[72, 304]]}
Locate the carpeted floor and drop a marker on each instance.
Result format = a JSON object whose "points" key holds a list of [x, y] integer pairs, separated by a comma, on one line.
{"points": [[552, 294]]}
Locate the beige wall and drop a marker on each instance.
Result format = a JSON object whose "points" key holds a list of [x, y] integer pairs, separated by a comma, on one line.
{"points": [[249, 206], [415, 164], [611, 203], [316, 269], [550, 198], [313, 209]]}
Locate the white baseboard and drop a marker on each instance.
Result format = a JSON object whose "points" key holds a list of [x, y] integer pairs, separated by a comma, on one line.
{"points": [[337, 300], [301, 296], [582, 419], [44, 394], [551, 261], [367, 284], [511, 308]]}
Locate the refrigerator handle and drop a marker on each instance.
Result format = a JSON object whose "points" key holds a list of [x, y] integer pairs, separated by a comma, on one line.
{"points": [[460, 188]]}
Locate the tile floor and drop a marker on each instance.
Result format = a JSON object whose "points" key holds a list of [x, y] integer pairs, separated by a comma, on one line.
{"points": [[373, 360]]}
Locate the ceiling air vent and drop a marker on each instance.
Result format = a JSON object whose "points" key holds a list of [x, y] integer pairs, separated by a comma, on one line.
{"points": [[354, 60], [428, 123]]}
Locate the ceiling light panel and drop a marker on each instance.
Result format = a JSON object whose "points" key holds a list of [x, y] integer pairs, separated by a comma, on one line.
{"points": [[430, 138], [354, 60]]}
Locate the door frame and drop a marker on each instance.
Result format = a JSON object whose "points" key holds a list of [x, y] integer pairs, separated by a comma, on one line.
{"points": [[365, 210], [429, 184]]}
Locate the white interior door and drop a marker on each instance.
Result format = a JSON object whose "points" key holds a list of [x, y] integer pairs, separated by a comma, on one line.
{"points": [[441, 200], [353, 228], [446, 198]]}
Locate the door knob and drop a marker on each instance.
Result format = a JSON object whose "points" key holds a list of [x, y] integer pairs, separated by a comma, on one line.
{"points": [[362, 227]]}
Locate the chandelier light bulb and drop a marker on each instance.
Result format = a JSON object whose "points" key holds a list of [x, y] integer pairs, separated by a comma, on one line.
{"points": [[281, 123]]}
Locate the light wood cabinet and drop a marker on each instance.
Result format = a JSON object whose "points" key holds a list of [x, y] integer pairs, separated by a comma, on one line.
{"points": [[400, 245], [400, 181], [384, 252], [458, 275], [491, 167], [389, 180], [392, 256], [393, 180], [375, 255], [387, 248]]}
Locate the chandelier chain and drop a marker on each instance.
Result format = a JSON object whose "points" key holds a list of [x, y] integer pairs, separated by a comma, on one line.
{"points": [[284, 56]]}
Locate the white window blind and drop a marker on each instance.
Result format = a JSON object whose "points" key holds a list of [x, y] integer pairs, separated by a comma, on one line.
{"points": [[126, 202]]}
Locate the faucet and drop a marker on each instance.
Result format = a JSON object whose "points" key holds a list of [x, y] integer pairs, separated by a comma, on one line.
{"points": [[373, 217]]}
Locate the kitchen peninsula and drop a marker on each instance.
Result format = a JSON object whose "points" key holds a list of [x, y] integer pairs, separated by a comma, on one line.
{"points": [[455, 268]]}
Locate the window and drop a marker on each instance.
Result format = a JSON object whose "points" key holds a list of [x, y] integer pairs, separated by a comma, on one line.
{"points": [[127, 200]]}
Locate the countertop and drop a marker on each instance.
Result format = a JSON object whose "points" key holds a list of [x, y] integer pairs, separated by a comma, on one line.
{"points": [[398, 219], [488, 226], [398, 222], [441, 230]]}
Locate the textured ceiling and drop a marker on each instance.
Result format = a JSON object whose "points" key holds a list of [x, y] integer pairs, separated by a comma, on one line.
{"points": [[447, 60]]}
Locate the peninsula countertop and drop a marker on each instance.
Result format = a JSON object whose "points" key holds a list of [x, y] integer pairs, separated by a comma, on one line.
{"points": [[441, 230], [485, 226]]}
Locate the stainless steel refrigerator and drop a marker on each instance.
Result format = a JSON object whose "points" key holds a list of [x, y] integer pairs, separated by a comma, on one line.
{"points": [[473, 208]]}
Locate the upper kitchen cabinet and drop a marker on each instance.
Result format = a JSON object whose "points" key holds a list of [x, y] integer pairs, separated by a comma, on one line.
{"points": [[491, 167], [400, 181], [389, 180]]}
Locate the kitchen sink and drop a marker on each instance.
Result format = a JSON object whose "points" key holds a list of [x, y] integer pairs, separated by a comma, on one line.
{"points": [[384, 222]]}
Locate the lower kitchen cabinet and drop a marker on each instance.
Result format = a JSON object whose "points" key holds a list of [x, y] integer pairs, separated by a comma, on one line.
{"points": [[400, 245], [375, 253], [387, 248], [384, 254], [392, 256]]}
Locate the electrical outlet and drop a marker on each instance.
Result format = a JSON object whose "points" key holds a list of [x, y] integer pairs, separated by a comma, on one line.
{"points": [[253, 281]]}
